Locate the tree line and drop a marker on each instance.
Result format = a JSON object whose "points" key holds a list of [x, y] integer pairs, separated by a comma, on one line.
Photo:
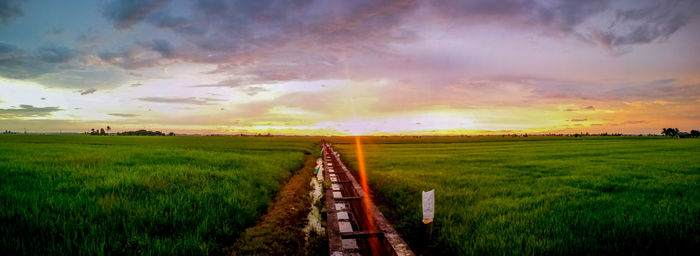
{"points": [[674, 132], [142, 132]]}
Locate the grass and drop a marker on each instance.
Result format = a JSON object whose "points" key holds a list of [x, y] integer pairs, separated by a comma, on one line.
{"points": [[280, 230], [539, 195], [90, 195]]}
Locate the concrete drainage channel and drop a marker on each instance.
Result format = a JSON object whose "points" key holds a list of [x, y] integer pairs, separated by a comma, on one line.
{"points": [[354, 224]]}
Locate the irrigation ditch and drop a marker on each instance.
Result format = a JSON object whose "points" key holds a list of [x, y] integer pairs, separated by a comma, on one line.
{"points": [[321, 210], [354, 224]]}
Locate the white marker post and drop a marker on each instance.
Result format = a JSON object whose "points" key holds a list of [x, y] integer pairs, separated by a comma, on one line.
{"points": [[429, 212], [428, 206]]}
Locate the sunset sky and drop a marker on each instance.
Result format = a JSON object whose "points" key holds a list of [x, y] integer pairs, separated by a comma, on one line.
{"points": [[350, 67]]}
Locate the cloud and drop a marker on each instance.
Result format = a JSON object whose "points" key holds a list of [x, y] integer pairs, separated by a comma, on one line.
{"points": [[586, 108], [161, 46], [124, 14], [579, 119], [18, 63], [635, 122], [555, 16], [668, 90], [318, 40], [182, 100], [658, 20], [9, 9], [123, 115], [253, 90], [136, 85], [27, 111], [87, 91], [55, 54], [135, 57]]}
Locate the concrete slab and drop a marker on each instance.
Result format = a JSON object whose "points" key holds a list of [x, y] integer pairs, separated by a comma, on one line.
{"points": [[332, 174], [334, 179], [339, 207], [343, 215], [344, 226], [335, 186], [337, 195], [350, 244]]}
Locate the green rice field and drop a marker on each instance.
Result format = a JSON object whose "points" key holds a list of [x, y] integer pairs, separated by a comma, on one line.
{"points": [[539, 195], [115, 195]]}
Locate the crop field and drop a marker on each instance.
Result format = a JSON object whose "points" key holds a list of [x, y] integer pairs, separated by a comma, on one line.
{"points": [[539, 195], [97, 195]]}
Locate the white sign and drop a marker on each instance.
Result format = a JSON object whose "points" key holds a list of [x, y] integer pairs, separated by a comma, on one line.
{"points": [[428, 206]]}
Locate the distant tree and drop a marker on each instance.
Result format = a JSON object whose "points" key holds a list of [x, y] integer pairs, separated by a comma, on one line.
{"points": [[108, 128], [171, 134], [102, 131], [694, 133], [142, 133], [670, 132]]}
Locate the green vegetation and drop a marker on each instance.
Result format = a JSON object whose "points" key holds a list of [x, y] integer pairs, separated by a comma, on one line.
{"points": [[539, 195], [280, 231], [96, 195]]}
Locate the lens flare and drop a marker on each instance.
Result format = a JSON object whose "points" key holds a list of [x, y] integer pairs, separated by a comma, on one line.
{"points": [[366, 200]]}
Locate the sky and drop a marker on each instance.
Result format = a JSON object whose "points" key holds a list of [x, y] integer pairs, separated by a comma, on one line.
{"points": [[357, 67]]}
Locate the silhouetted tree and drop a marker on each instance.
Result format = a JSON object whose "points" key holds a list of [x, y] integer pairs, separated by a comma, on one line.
{"points": [[102, 131], [670, 131], [142, 133], [694, 133]]}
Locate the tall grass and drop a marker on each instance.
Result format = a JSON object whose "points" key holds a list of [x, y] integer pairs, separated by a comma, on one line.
{"points": [[85, 195], [540, 195]]}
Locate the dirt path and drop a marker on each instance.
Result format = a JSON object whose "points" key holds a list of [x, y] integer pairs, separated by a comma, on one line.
{"points": [[280, 231]]}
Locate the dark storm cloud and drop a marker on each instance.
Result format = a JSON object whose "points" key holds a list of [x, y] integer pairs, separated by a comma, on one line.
{"points": [[27, 111], [9, 9], [247, 37], [242, 32], [657, 20], [18, 63], [319, 39], [126, 13], [182, 100]]}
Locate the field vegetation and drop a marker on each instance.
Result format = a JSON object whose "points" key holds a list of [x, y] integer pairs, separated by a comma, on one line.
{"points": [[539, 195], [98, 195]]}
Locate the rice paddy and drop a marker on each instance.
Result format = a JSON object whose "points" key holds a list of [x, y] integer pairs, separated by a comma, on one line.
{"points": [[539, 195], [106, 195]]}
